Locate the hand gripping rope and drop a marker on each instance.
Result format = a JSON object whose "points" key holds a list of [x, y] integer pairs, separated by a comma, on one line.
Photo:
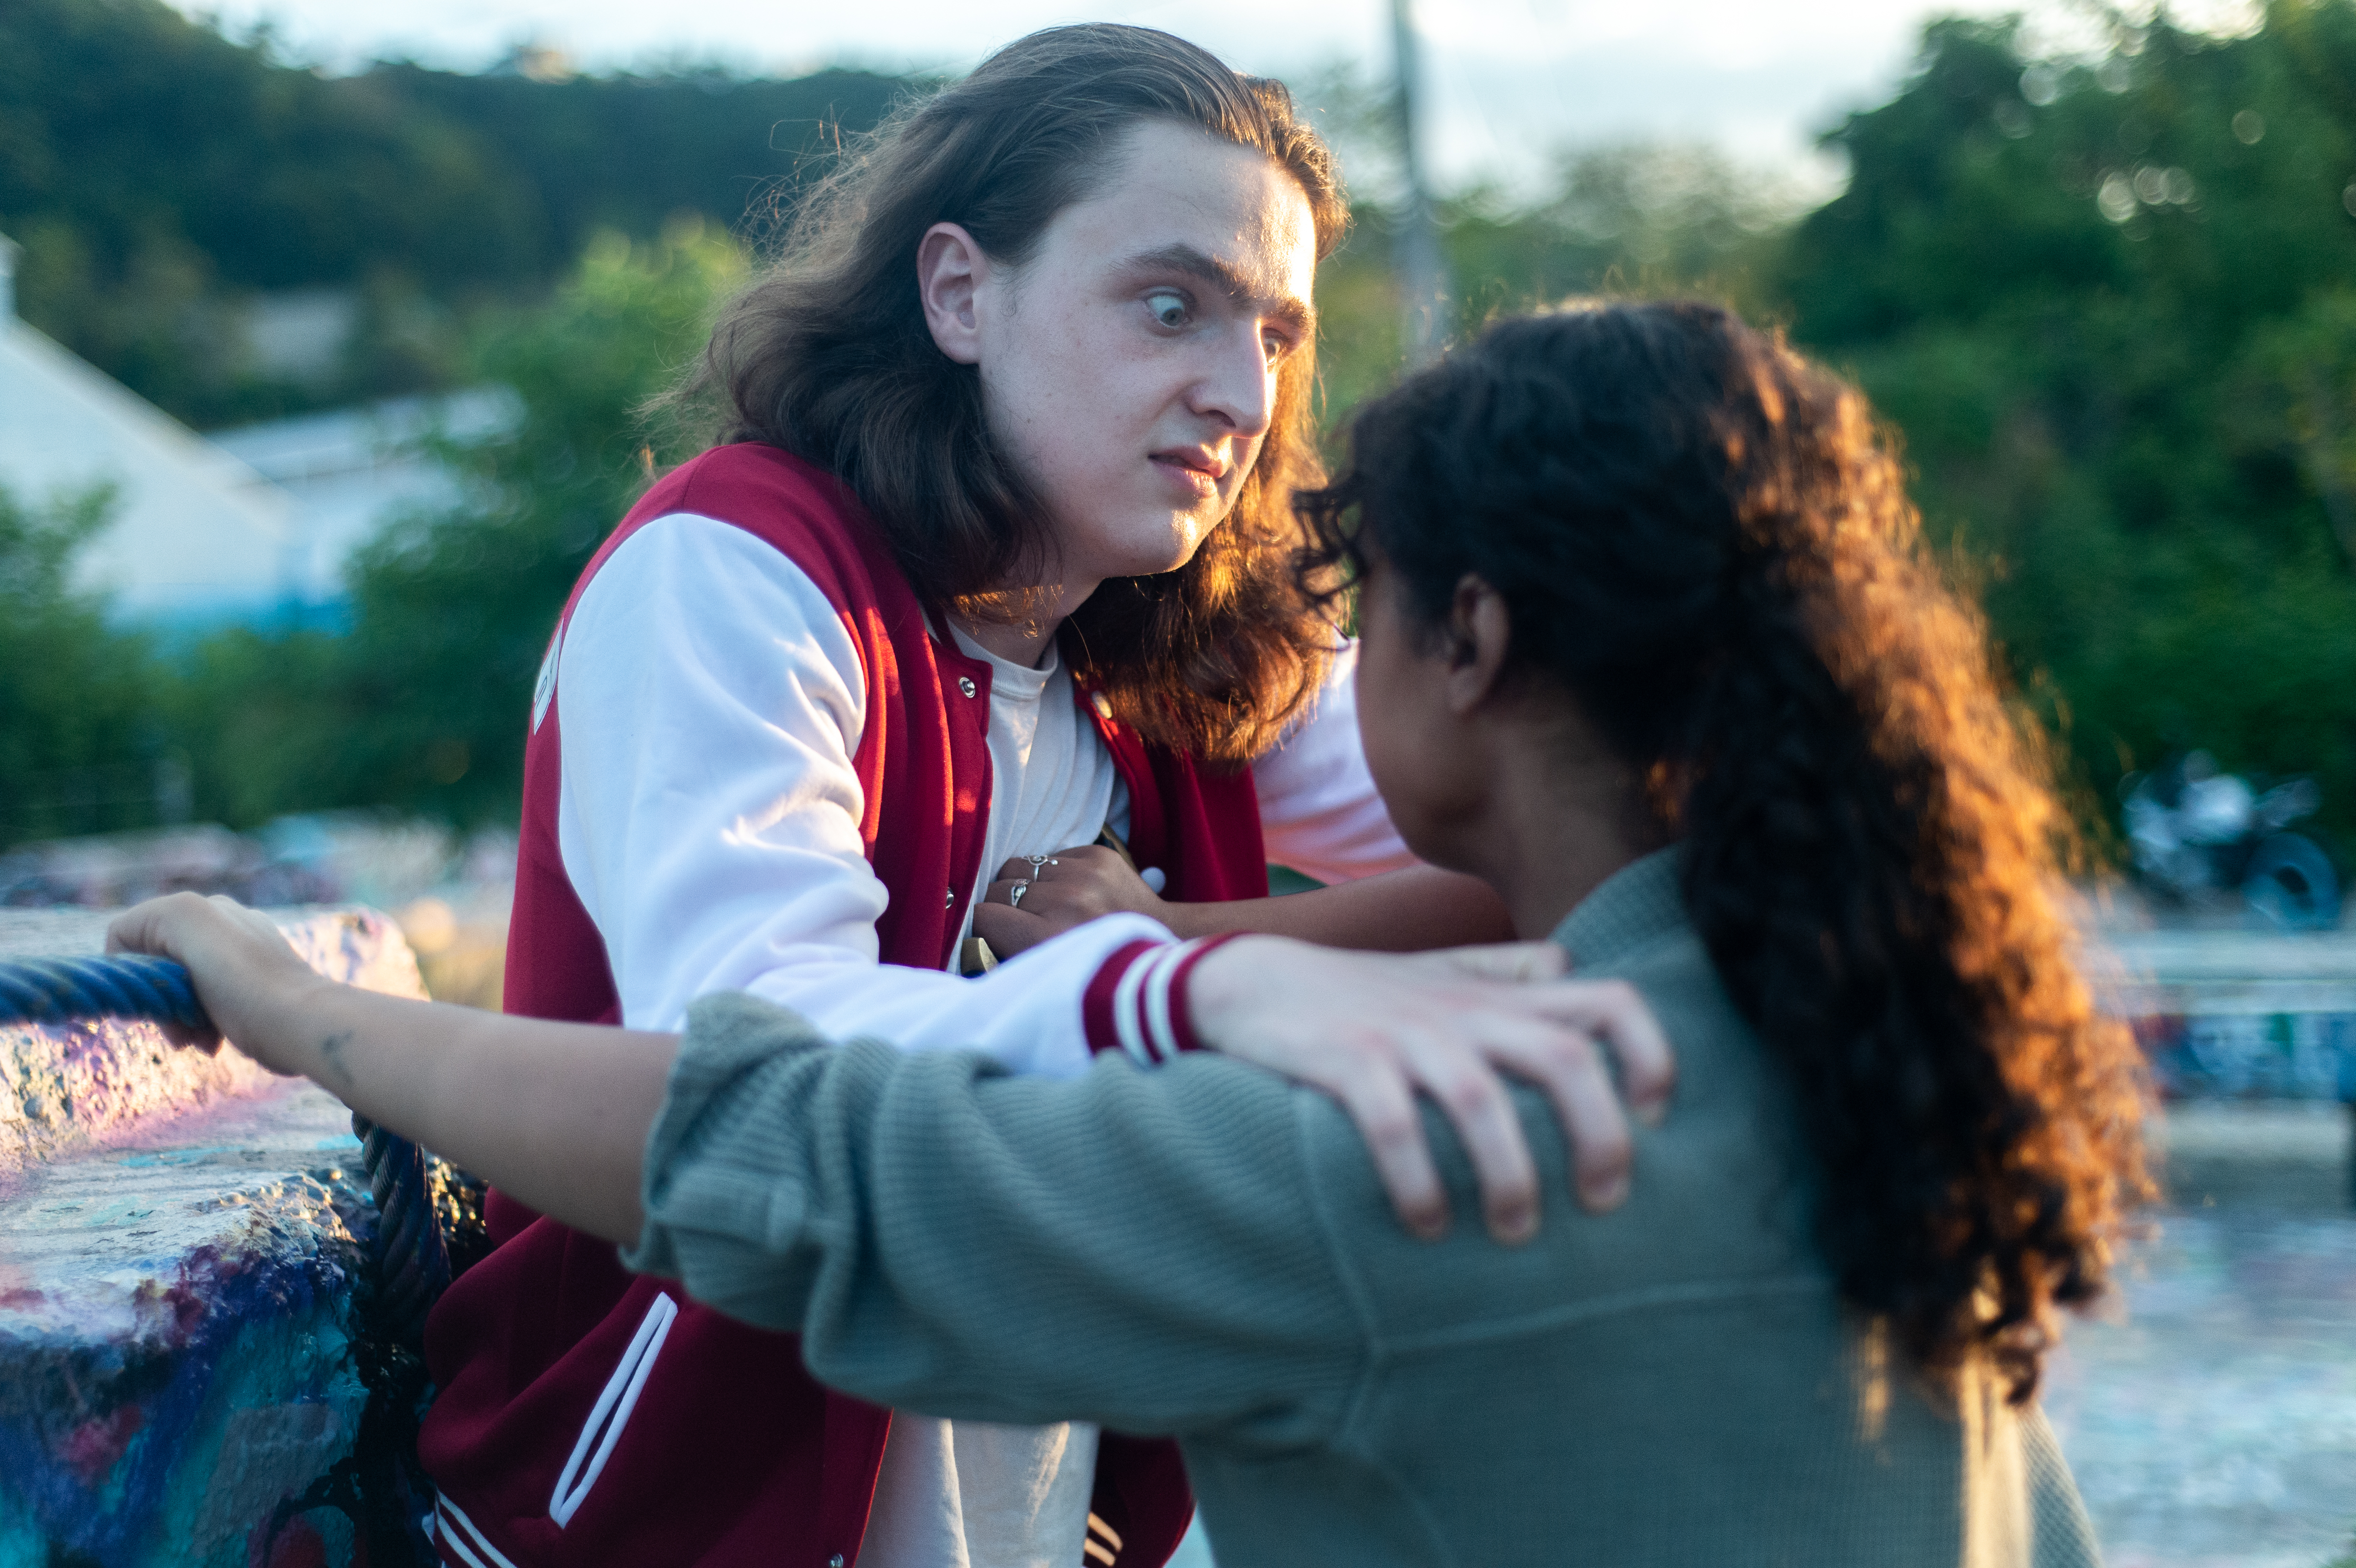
{"points": [[411, 1258]]}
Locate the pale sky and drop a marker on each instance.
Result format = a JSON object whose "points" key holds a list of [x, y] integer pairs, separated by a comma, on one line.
{"points": [[1508, 80]]}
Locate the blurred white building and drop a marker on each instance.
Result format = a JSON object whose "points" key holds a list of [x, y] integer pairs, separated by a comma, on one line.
{"points": [[196, 534], [253, 525], [347, 473]]}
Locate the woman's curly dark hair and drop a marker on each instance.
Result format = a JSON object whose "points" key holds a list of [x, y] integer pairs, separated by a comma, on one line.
{"points": [[1705, 542]]}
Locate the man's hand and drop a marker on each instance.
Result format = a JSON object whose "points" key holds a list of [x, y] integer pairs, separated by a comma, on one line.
{"points": [[1058, 892], [1375, 1031]]}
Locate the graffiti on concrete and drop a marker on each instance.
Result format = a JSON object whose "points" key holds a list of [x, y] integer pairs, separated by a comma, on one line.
{"points": [[182, 1239], [2282, 1056]]}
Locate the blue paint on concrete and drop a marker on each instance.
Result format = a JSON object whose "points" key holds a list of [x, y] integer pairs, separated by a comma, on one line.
{"points": [[179, 1365], [180, 1238]]}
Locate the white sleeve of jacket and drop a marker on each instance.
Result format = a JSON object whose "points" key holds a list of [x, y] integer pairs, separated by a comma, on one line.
{"points": [[708, 814], [1319, 810]]}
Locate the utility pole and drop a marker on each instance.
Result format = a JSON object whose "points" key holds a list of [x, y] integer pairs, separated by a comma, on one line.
{"points": [[1422, 278]]}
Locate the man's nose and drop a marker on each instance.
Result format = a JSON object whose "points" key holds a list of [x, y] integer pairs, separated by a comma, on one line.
{"points": [[1239, 385]]}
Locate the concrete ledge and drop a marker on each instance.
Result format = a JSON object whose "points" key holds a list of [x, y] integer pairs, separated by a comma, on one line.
{"points": [[2237, 1014], [101, 1084], [2214, 974], [180, 1237]]}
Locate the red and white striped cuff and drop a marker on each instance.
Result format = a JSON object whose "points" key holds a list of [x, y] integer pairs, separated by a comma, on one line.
{"points": [[1136, 1001]]}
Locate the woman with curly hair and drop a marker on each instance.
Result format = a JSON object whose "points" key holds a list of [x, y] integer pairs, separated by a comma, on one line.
{"points": [[1660, 658]]}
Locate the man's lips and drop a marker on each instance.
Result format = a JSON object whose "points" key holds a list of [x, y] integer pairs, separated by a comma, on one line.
{"points": [[1196, 461]]}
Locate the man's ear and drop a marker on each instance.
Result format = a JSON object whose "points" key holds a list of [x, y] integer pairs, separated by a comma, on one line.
{"points": [[951, 269], [1479, 634]]}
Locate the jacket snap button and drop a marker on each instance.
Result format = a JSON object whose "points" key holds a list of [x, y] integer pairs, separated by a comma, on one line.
{"points": [[952, 903], [835, 1561], [965, 684]]}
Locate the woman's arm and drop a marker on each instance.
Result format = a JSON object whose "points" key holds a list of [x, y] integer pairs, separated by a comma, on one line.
{"points": [[1320, 814], [710, 703], [1413, 910]]}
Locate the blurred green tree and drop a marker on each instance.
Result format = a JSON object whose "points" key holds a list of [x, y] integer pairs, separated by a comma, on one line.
{"points": [[1631, 218], [421, 706], [2108, 303], [162, 178], [79, 746]]}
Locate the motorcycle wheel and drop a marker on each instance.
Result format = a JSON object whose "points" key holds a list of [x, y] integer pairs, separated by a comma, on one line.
{"points": [[2290, 884]]}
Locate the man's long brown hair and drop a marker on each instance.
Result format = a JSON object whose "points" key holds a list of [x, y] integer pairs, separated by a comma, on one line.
{"points": [[1705, 543], [827, 355]]}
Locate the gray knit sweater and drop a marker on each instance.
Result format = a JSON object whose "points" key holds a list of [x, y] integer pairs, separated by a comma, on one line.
{"points": [[1203, 1251]]}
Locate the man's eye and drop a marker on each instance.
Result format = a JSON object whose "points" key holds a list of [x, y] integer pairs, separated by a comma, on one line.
{"points": [[1169, 310], [1275, 347]]}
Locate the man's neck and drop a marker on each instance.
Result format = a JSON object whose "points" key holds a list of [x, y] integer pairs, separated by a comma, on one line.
{"points": [[1025, 640]]}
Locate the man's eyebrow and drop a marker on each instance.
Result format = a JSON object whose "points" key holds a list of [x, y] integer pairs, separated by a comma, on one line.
{"points": [[1185, 258]]}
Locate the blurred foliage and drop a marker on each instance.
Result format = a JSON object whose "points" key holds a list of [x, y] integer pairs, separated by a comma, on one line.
{"points": [[77, 739], [420, 707], [2110, 301], [162, 178], [2111, 305], [1632, 219]]}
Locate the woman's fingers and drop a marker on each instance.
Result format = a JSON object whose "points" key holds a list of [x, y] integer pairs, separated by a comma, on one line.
{"points": [[238, 957], [143, 929]]}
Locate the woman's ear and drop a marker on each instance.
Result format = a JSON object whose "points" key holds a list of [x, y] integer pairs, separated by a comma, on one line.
{"points": [[1479, 634], [950, 270]]}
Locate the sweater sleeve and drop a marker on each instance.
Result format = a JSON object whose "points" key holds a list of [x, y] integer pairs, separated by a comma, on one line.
{"points": [[1319, 810], [1138, 1249], [708, 810]]}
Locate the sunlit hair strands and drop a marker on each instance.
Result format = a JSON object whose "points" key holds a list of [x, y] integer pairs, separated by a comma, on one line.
{"points": [[827, 355], [1705, 542]]}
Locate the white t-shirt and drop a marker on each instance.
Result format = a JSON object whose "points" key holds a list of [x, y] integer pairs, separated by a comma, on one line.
{"points": [[707, 818], [1052, 781]]}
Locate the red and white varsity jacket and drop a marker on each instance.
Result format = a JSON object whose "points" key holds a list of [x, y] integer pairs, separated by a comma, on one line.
{"points": [[546, 1354]]}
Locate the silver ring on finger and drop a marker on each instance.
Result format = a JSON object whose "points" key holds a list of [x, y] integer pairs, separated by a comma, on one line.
{"points": [[1039, 861], [1014, 898]]}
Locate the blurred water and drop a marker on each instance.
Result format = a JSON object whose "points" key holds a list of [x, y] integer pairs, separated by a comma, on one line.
{"points": [[2215, 1422]]}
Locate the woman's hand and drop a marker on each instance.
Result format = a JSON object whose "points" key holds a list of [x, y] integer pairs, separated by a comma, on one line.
{"points": [[246, 974], [1061, 891], [1373, 1031]]}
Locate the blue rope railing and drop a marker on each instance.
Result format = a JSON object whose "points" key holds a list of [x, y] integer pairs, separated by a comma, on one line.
{"points": [[412, 1256]]}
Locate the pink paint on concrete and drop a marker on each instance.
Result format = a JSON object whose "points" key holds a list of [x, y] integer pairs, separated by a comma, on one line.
{"points": [[115, 1084]]}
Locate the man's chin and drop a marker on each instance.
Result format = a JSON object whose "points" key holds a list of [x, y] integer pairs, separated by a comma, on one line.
{"points": [[1173, 549]]}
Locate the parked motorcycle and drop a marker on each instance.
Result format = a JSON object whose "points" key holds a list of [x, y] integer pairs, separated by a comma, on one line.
{"points": [[2198, 832]]}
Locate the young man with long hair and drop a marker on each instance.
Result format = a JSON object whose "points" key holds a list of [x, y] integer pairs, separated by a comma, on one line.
{"points": [[993, 560]]}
